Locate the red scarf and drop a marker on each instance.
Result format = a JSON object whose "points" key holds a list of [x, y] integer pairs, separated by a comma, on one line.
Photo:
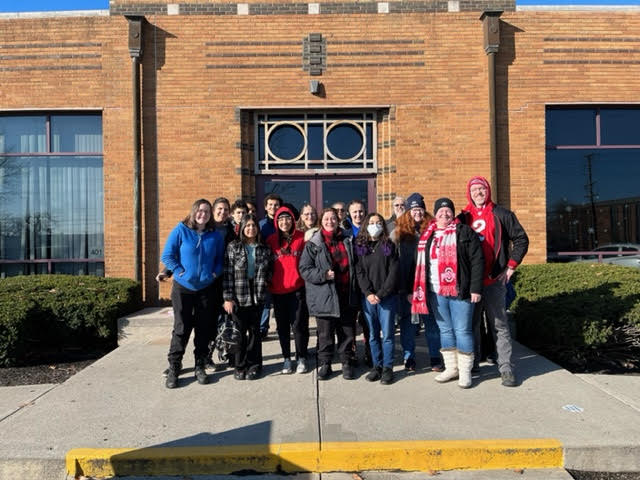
{"points": [[339, 258], [481, 219], [447, 266]]}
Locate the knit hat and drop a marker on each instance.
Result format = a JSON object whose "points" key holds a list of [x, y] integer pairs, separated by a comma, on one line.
{"points": [[443, 202], [283, 214], [415, 200], [479, 181]]}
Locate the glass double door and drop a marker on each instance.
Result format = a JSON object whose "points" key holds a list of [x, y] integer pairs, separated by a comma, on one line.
{"points": [[319, 191]]}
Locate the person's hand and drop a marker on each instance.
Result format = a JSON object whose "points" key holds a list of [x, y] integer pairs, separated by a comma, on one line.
{"points": [[331, 275], [228, 306], [161, 277], [508, 274], [475, 297], [505, 276], [373, 299]]}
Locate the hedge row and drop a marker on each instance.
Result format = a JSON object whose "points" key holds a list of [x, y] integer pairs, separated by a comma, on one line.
{"points": [[579, 314], [40, 312]]}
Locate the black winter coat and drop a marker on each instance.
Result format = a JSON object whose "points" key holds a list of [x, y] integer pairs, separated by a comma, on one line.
{"points": [[512, 242], [376, 272]]}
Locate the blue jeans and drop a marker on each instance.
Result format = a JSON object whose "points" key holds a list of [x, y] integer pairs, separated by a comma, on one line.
{"points": [[432, 334], [407, 329], [380, 317], [454, 318]]}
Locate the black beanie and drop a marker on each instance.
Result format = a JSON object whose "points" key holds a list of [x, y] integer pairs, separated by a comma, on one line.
{"points": [[415, 200], [443, 202]]}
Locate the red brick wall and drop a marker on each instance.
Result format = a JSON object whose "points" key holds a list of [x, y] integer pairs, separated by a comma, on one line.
{"points": [[437, 125]]}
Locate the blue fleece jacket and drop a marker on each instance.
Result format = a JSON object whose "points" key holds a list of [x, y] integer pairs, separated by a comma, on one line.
{"points": [[196, 259]]}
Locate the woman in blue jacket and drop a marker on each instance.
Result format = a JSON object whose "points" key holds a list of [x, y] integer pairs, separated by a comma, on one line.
{"points": [[194, 252]]}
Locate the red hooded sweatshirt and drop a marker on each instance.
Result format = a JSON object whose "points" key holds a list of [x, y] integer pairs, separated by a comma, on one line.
{"points": [[287, 252], [483, 223]]}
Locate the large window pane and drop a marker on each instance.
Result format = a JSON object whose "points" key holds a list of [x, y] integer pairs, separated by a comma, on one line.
{"points": [[51, 207], [571, 126], [23, 134], [76, 133], [592, 198], [620, 126]]}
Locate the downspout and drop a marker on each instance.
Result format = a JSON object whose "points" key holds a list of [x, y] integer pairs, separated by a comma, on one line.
{"points": [[135, 51], [491, 27]]}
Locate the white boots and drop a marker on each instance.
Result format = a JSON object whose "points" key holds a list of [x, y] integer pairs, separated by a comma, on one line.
{"points": [[450, 366], [465, 364], [456, 365]]}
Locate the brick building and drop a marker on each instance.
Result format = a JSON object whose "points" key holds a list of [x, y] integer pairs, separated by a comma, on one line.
{"points": [[318, 101]]}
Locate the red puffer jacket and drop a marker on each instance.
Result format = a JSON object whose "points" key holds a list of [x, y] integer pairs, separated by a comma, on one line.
{"points": [[286, 257]]}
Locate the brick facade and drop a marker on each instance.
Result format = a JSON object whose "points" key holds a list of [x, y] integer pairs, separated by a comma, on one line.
{"points": [[204, 74]]}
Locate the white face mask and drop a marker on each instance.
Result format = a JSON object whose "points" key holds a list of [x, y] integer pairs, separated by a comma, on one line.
{"points": [[374, 230]]}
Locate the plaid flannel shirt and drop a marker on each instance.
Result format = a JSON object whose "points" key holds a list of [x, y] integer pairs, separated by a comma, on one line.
{"points": [[235, 283]]}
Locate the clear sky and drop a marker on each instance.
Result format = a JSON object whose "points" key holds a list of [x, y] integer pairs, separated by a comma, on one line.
{"points": [[47, 5]]}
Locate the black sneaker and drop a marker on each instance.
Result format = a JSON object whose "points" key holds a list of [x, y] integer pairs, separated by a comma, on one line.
{"points": [[508, 379], [410, 365], [201, 375], [239, 374], [387, 376], [324, 372], [166, 371], [347, 371], [253, 374], [374, 375], [172, 378]]}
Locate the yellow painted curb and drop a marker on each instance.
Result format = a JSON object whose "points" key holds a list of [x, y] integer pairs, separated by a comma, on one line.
{"points": [[427, 455]]}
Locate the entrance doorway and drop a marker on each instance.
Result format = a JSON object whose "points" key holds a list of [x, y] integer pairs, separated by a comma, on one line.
{"points": [[321, 191]]}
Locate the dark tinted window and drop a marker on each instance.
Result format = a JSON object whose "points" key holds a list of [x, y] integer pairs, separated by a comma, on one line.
{"points": [[592, 198], [620, 126], [571, 126]]}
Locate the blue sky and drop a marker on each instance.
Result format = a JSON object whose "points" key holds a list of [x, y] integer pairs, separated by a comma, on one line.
{"points": [[46, 5]]}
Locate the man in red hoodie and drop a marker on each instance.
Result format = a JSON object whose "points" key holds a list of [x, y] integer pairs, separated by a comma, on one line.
{"points": [[504, 244]]}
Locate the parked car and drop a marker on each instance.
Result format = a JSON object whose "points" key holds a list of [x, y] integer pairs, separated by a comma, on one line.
{"points": [[613, 255]]}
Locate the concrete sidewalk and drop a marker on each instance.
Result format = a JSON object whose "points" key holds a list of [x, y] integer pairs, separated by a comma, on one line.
{"points": [[117, 418]]}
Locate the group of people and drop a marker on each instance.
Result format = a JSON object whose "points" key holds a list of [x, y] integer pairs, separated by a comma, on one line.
{"points": [[344, 267]]}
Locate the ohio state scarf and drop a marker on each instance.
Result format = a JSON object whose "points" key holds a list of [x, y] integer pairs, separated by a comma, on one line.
{"points": [[446, 252]]}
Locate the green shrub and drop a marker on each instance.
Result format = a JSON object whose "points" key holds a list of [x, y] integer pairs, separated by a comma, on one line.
{"points": [[574, 312], [61, 311]]}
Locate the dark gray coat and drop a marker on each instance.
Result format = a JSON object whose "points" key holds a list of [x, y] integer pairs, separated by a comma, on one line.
{"points": [[322, 296]]}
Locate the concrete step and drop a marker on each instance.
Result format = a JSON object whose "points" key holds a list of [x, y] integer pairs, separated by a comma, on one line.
{"points": [[149, 325]]}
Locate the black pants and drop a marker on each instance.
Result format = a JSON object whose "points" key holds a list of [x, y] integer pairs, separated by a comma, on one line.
{"points": [[362, 321], [484, 344], [216, 311], [291, 312], [328, 327], [192, 310], [248, 356]]}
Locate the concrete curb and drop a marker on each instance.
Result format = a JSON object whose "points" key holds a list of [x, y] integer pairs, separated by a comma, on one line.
{"points": [[425, 456]]}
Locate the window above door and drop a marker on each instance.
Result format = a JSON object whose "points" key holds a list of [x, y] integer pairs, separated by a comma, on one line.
{"points": [[315, 142]]}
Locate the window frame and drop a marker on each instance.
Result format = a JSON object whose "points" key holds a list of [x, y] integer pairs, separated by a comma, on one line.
{"points": [[330, 120], [47, 115]]}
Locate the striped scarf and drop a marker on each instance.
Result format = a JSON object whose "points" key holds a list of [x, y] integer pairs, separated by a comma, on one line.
{"points": [[446, 253]]}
